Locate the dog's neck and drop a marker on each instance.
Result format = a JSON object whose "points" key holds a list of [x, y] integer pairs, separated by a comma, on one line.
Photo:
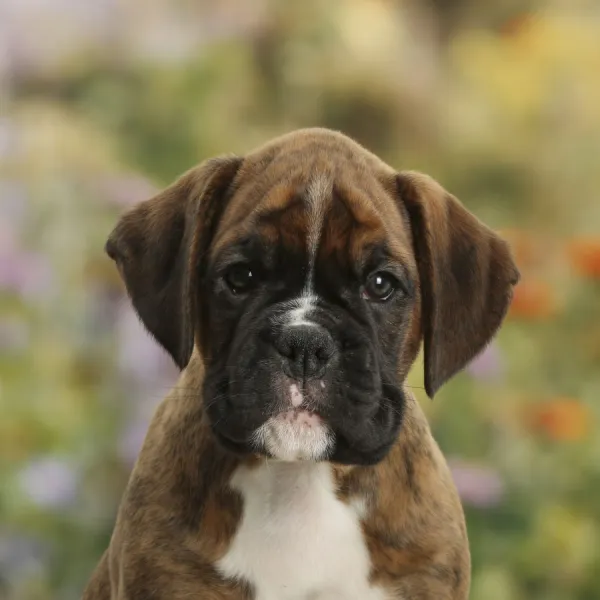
{"points": [[204, 502], [206, 469]]}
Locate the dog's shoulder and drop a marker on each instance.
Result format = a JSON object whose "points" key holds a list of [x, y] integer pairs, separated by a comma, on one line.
{"points": [[177, 514], [416, 525]]}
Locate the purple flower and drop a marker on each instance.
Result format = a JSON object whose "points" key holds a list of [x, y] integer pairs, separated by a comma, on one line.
{"points": [[126, 191], [72, 26], [50, 483], [28, 274], [488, 365], [21, 557], [477, 485], [8, 239], [132, 440], [102, 306], [141, 357]]}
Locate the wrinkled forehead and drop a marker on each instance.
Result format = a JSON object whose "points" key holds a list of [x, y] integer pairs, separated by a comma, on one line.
{"points": [[320, 212]]}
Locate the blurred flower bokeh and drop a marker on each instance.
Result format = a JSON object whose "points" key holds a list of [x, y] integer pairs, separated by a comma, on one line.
{"points": [[102, 103]]}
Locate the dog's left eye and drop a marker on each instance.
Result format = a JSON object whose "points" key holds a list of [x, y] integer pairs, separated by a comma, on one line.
{"points": [[379, 287], [239, 278]]}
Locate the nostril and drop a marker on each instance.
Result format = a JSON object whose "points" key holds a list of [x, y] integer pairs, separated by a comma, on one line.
{"points": [[286, 350], [323, 354]]}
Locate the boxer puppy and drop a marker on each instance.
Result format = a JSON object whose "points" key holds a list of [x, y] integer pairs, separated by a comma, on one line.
{"points": [[293, 287]]}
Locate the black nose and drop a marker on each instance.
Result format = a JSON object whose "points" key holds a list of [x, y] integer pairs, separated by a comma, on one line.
{"points": [[306, 348]]}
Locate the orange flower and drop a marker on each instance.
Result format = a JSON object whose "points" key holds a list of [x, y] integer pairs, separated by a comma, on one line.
{"points": [[533, 300], [562, 419], [528, 248], [515, 25], [584, 256]]}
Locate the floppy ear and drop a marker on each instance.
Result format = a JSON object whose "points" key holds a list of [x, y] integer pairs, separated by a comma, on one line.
{"points": [[466, 274], [159, 244]]}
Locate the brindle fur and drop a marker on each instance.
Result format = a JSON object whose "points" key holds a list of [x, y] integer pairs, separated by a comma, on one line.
{"points": [[178, 513]]}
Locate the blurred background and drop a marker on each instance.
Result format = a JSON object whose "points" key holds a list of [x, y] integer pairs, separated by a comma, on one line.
{"points": [[103, 102]]}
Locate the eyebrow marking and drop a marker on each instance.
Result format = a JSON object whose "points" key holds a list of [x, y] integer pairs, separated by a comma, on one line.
{"points": [[273, 213], [319, 187]]}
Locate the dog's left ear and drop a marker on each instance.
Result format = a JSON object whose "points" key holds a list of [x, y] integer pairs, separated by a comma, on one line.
{"points": [[159, 246], [466, 274]]}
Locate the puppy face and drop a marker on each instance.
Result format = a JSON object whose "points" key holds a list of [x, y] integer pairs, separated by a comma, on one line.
{"points": [[306, 275], [309, 303]]}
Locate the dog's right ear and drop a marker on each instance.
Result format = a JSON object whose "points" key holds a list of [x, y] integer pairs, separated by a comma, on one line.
{"points": [[159, 244], [466, 272]]}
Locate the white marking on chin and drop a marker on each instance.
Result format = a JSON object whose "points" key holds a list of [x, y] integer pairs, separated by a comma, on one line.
{"points": [[295, 435], [296, 539]]}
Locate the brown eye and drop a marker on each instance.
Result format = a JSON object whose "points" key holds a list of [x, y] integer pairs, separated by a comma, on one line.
{"points": [[379, 287], [239, 278]]}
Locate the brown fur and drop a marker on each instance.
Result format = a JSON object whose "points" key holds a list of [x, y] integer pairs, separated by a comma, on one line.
{"points": [[178, 514], [414, 528]]}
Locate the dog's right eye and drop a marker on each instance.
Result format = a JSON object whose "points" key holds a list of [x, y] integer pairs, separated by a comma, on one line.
{"points": [[239, 278]]}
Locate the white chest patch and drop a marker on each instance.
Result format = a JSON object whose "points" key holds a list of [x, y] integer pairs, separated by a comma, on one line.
{"points": [[297, 541]]}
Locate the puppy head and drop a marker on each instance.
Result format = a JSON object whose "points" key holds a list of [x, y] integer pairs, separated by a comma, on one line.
{"points": [[305, 275]]}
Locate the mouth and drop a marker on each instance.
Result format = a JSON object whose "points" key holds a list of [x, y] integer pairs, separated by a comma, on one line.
{"points": [[300, 417]]}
